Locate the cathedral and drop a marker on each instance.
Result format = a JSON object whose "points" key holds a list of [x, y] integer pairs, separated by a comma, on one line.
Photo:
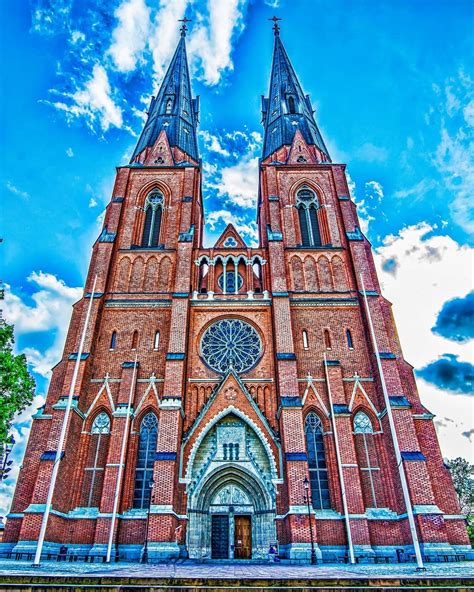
{"points": [[218, 402]]}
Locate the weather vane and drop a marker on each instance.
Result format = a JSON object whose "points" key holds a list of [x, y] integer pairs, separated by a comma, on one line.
{"points": [[184, 28], [275, 27]]}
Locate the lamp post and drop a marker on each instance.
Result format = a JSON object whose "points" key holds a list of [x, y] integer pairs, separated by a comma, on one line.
{"points": [[145, 546], [306, 491]]}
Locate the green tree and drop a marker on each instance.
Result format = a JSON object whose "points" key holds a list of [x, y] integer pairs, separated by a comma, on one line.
{"points": [[17, 386], [462, 473]]}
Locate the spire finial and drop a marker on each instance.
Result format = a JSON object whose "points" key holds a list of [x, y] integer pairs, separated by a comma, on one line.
{"points": [[275, 27], [184, 28]]}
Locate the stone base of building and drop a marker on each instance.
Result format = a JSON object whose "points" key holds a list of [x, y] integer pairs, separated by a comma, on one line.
{"points": [[295, 553]]}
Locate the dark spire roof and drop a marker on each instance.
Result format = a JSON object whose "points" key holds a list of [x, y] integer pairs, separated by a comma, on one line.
{"points": [[287, 107], [174, 109]]}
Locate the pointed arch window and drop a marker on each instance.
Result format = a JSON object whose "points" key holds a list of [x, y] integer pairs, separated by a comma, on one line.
{"points": [[169, 106], [113, 340], [350, 342], [153, 213], [96, 460], [305, 339], [145, 461], [291, 105], [135, 340], [156, 340], [307, 205], [327, 339], [367, 459], [318, 473]]}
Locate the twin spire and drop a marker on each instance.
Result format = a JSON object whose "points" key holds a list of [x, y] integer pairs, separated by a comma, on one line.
{"points": [[285, 110]]}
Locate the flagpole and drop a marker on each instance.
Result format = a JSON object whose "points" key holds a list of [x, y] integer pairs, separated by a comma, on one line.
{"points": [[396, 445], [339, 467], [121, 464], [62, 437]]}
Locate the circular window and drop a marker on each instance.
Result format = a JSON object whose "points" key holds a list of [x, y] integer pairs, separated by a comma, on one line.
{"points": [[231, 343], [230, 281]]}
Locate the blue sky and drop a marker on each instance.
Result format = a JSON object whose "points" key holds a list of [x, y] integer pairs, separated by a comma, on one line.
{"points": [[394, 97]]}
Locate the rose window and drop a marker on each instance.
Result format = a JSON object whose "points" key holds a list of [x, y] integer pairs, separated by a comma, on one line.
{"points": [[231, 343]]}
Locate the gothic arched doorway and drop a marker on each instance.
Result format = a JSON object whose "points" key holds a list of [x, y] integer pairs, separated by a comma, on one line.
{"points": [[231, 491], [231, 517]]}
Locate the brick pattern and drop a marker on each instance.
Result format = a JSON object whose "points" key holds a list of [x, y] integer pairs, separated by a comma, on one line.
{"points": [[313, 290]]}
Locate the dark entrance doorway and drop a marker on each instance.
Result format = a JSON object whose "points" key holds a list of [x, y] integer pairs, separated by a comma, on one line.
{"points": [[243, 537], [220, 537]]}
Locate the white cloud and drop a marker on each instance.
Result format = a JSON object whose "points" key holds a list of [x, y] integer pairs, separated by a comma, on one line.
{"points": [[49, 311], [454, 156], [371, 153], [244, 227], [92, 202], [238, 182], [212, 143], [369, 204], [210, 42], [272, 3], [14, 189], [418, 191], [94, 102], [50, 16], [420, 270], [130, 35], [77, 36], [70, 152], [165, 34]]}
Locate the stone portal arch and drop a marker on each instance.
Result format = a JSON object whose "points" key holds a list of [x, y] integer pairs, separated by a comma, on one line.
{"points": [[231, 492], [230, 482]]}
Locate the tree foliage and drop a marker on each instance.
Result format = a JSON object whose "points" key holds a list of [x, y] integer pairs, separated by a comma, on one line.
{"points": [[462, 473], [17, 386]]}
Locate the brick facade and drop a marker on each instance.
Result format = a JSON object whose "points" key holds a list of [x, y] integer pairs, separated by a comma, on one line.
{"points": [[156, 303]]}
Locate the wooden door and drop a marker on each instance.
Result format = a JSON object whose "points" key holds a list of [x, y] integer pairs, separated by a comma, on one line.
{"points": [[220, 537], [243, 537]]}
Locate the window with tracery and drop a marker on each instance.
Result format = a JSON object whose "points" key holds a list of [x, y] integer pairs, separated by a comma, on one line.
{"points": [[230, 281], [231, 343], [153, 213], [318, 473], [145, 461], [367, 457], [307, 205], [96, 460]]}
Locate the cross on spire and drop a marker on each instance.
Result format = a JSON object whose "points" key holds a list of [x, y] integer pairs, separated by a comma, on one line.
{"points": [[275, 27], [184, 28]]}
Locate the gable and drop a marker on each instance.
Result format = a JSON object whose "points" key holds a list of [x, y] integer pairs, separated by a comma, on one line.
{"points": [[230, 239]]}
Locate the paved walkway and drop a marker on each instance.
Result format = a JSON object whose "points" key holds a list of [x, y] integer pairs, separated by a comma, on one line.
{"points": [[189, 570]]}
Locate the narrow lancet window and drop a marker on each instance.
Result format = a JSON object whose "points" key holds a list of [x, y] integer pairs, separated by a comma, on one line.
{"points": [[307, 205], [153, 213], [367, 459], [145, 461], [291, 105], [318, 473], [96, 460], [305, 339], [327, 339], [156, 341], [350, 343], [113, 340], [135, 340]]}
